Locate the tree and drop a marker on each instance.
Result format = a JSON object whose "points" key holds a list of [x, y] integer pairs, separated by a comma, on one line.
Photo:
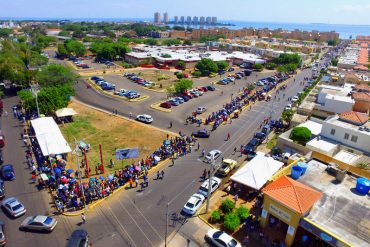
{"points": [[287, 115], [222, 65], [231, 222], [5, 32], [179, 75], [187, 42], [216, 216], [78, 34], [197, 73], [243, 213], [62, 51], [227, 206], [334, 62], [183, 85], [301, 135], [257, 66], [75, 47], [288, 58], [55, 74], [206, 66], [151, 41], [181, 65], [179, 28], [63, 33], [271, 65], [170, 42]]}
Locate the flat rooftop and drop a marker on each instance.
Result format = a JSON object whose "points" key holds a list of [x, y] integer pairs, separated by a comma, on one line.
{"points": [[346, 125], [341, 210]]}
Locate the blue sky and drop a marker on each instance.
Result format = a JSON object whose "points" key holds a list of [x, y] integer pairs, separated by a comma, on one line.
{"points": [[296, 11]]}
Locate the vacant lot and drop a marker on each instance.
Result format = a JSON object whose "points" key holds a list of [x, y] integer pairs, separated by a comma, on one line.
{"points": [[95, 127], [166, 78]]}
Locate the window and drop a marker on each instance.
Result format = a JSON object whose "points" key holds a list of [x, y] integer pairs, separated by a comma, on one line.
{"points": [[332, 132], [354, 139], [346, 136]]}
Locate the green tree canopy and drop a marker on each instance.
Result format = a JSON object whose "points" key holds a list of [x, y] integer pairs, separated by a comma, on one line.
{"points": [[301, 135], [5, 32], [183, 85], [78, 34], [55, 74], [334, 62], [75, 47], [206, 66], [288, 58], [287, 115], [62, 51], [257, 66], [170, 42], [222, 65], [151, 41]]}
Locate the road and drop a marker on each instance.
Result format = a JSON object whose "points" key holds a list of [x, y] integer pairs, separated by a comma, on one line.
{"points": [[131, 217]]}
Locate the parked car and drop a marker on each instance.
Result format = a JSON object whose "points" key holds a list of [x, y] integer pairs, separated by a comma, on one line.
{"points": [[193, 204], [165, 105], [211, 88], [7, 172], [295, 99], [221, 239], [144, 118], [212, 75], [231, 69], [180, 100], [203, 189], [39, 223], [185, 98], [78, 238], [201, 109], [2, 189], [213, 154], [201, 134], [13, 207], [260, 136], [227, 166], [288, 107], [2, 234], [173, 102], [251, 146]]}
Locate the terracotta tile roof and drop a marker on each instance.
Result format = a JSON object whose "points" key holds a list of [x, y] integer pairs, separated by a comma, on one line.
{"points": [[361, 96], [292, 194], [357, 118], [364, 87]]}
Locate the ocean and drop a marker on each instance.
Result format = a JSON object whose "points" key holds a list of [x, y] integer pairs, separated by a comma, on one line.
{"points": [[345, 31]]}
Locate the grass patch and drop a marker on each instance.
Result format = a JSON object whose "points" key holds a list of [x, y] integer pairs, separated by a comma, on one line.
{"points": [[272, 142], [95, 127]]}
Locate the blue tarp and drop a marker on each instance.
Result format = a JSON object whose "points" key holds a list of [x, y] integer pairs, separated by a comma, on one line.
{"points": [[127, 153]]}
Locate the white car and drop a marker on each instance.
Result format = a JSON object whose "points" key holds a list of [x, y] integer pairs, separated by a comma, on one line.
{"points": [[221, 239], [215, 183], [295, 99], [14, 207], [39, 223], [212, 155], [201, 109], [144, 118], [193, 204], [288, 107]]}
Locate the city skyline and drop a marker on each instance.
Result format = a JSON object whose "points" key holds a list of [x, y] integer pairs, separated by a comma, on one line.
{"points": [[329, 12]]}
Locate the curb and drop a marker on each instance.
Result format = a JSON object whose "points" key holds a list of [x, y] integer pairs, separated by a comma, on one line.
{"points": [[75, 214], [155, 90]]}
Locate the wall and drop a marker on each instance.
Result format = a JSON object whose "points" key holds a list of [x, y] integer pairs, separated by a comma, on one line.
{"points": [[333, 105], [284, 143], [363, 138]]}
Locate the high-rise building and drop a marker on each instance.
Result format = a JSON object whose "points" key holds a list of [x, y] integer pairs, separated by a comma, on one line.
{"points": [[214, 20], [208, 20], [166, 19], [195, 20], [182, 19], [188, 20], [176, 19], [157, 17], [202, 20]]}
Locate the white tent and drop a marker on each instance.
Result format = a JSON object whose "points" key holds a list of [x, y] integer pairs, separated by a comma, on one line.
{"points": [[65, 112], [257, 172], [49, 137]]}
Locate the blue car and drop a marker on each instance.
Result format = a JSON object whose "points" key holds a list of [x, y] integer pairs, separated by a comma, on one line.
{"points": [[180, 100], [7, 172], [185, 98], [173, 102]]}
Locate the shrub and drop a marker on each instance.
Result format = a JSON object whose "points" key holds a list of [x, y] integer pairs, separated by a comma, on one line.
{"points": [[197, 74], [257, 66], [180, 75], [216, 216], [227, 206], [231, 221], [301, 135], [242, 213]]}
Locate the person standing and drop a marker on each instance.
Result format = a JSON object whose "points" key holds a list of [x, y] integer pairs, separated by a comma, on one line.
{"points": [[83, 218], [162, 173], [158, 176]]}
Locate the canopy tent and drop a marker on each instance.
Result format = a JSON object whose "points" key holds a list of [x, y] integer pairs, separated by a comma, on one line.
{"points": [[257, 172], [65, 112], [49, 137]]}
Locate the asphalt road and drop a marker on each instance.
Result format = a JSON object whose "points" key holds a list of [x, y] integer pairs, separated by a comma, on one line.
{"points": [[139, 216]]}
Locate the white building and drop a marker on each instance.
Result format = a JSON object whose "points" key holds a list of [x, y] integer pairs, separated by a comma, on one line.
{"points": [[334, 100], [351, 129], [166, 19], [157, 17]]}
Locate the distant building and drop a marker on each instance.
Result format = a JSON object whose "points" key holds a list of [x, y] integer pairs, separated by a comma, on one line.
{"points": [[188, 20], [166, 19], [159, 34], [176, 19], [195, 20], [157, 17], [214, 20], [208, 20], [202, 20], [182, 19]]}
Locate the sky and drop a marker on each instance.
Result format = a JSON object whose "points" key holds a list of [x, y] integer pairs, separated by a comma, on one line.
{"points": [[288, 11]]}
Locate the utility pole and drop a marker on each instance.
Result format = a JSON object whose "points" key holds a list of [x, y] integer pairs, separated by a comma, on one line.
{"points": [[35, 91], [209, 183], [79, 172]]}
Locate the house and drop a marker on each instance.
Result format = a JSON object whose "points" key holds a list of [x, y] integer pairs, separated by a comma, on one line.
{"points": [[362, 102]]}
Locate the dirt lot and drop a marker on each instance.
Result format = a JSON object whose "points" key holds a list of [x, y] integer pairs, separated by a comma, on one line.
{"points": [[166, 78], [95, 127]]}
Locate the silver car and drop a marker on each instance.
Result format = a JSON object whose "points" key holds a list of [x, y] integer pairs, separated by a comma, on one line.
{"points": [[14, 207], [39, 223]]}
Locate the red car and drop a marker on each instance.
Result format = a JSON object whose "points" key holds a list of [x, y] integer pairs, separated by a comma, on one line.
{"points": [[204, 89], [166, 105], [188, 94]]}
